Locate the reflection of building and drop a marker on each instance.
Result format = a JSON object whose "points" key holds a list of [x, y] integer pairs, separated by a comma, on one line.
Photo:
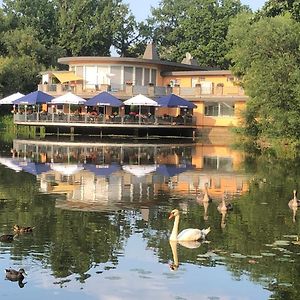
{"points": [[99, 175]]}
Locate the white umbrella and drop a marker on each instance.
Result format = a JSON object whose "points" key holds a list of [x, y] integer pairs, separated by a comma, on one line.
{"points": [[11, 164], [66, 169], [138, 170], [11, 98], [140, 100], [68, 98]]}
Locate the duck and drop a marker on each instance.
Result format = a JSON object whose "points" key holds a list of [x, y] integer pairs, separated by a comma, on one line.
{"points": [[8, 238], [294, 202], [14, 275], [20, 229], [189, 234], [223, 206]]}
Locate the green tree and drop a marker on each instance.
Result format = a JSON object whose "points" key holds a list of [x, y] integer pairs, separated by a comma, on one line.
{"points": [[86, 26], [266, 57], [197, 26], [126, 33], [274, 8], [22, 73]]}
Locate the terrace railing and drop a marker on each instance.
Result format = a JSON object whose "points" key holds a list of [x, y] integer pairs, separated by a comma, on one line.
{"points": [[104, 119]]}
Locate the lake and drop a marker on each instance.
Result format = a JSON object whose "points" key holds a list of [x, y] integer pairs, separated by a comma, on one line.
{"points": [[100, 212]]}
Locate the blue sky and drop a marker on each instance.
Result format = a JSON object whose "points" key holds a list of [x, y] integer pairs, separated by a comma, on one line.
{"points": [[141, 8]]}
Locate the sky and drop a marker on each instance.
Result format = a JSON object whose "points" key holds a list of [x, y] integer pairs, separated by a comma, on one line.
{"points": [[141, 8]]}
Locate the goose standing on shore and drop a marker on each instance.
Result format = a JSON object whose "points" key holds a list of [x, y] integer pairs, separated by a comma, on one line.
{"points": [[294, 202], [189, 234]]}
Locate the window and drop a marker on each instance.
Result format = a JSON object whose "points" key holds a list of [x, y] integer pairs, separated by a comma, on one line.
{"points": [[128, 74], [153, 76], [146, 76], [219, 109], [138, 76]]}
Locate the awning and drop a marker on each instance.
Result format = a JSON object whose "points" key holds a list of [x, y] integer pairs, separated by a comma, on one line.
{"points": [[66, 76]]}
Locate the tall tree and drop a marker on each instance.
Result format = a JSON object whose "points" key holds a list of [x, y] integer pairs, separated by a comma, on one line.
{"points": [[86, 26], [197, 26], [266, 56]]}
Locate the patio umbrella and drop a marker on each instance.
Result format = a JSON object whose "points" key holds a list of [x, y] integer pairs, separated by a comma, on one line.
{"points": [[37, 97], [102, 170], [173, 100], [35, 168], [104, 99], [11, 164], [139, 170], [11, 98], [140, 100], [66, 169], [172, 170], [68, 98]]}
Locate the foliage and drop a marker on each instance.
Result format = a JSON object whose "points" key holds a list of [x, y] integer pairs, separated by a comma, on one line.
{"points": [[274, 8], [22, 73], [197, 26], [266, 57]]}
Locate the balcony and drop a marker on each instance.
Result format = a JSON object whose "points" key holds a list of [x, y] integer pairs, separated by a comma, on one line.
{"points": [[125, 91]]}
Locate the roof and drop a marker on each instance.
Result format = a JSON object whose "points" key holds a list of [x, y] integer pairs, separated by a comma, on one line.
{"points": [[128, 60], [66, 76]]}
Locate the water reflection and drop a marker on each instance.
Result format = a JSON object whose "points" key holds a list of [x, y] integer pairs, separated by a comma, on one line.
{"points": [[97, 222], [104, 174]]}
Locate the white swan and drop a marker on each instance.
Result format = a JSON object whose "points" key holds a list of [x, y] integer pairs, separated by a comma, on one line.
{"points": [[189, 234]]}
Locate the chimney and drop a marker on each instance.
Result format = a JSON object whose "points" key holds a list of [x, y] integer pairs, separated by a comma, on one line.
{"points": [[151, 52]]}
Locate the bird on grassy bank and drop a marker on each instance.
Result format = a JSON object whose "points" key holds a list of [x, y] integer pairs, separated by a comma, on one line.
{"points": [[20, 229], [189, 234]]}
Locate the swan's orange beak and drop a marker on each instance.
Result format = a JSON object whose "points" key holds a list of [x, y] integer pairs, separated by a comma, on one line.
{"points": [[171, 216]]}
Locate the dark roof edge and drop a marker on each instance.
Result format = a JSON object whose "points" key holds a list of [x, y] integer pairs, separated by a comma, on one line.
{"points": [[197, 73], [66, 60]]}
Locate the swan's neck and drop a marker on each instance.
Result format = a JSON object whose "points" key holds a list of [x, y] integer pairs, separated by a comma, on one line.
{"points": [[174, 233], [173, 245]]}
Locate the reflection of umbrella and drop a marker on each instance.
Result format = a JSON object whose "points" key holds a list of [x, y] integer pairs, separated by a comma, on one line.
{"points": [[172, 100], [11, 98], [11, 164], [104, 99], [37, 97], [35, 168], [68, 98], [102, 170], [66, 169], [172, 170], [139, 170]]}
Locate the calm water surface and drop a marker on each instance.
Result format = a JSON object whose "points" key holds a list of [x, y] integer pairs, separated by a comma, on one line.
{"points": [[100, 212]]}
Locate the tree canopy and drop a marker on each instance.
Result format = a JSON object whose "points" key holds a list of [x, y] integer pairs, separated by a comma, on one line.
{"points": [[265, 54]]}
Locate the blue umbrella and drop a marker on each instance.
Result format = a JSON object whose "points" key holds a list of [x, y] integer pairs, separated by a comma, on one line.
{"points": [[102, 170], [36, 168], [173, 100], [37, 97], [104, 99], [172, 170]]}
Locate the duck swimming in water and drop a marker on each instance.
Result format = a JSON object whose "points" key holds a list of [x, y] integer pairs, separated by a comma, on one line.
{"points": [[20, 229], [14, 275], [8, 238]]}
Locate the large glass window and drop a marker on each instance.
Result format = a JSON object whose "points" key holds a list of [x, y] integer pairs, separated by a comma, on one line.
{"points": [[138, 76], [115, 77], [146, 76], [219, 109], [153, 76], [128, 74]]}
